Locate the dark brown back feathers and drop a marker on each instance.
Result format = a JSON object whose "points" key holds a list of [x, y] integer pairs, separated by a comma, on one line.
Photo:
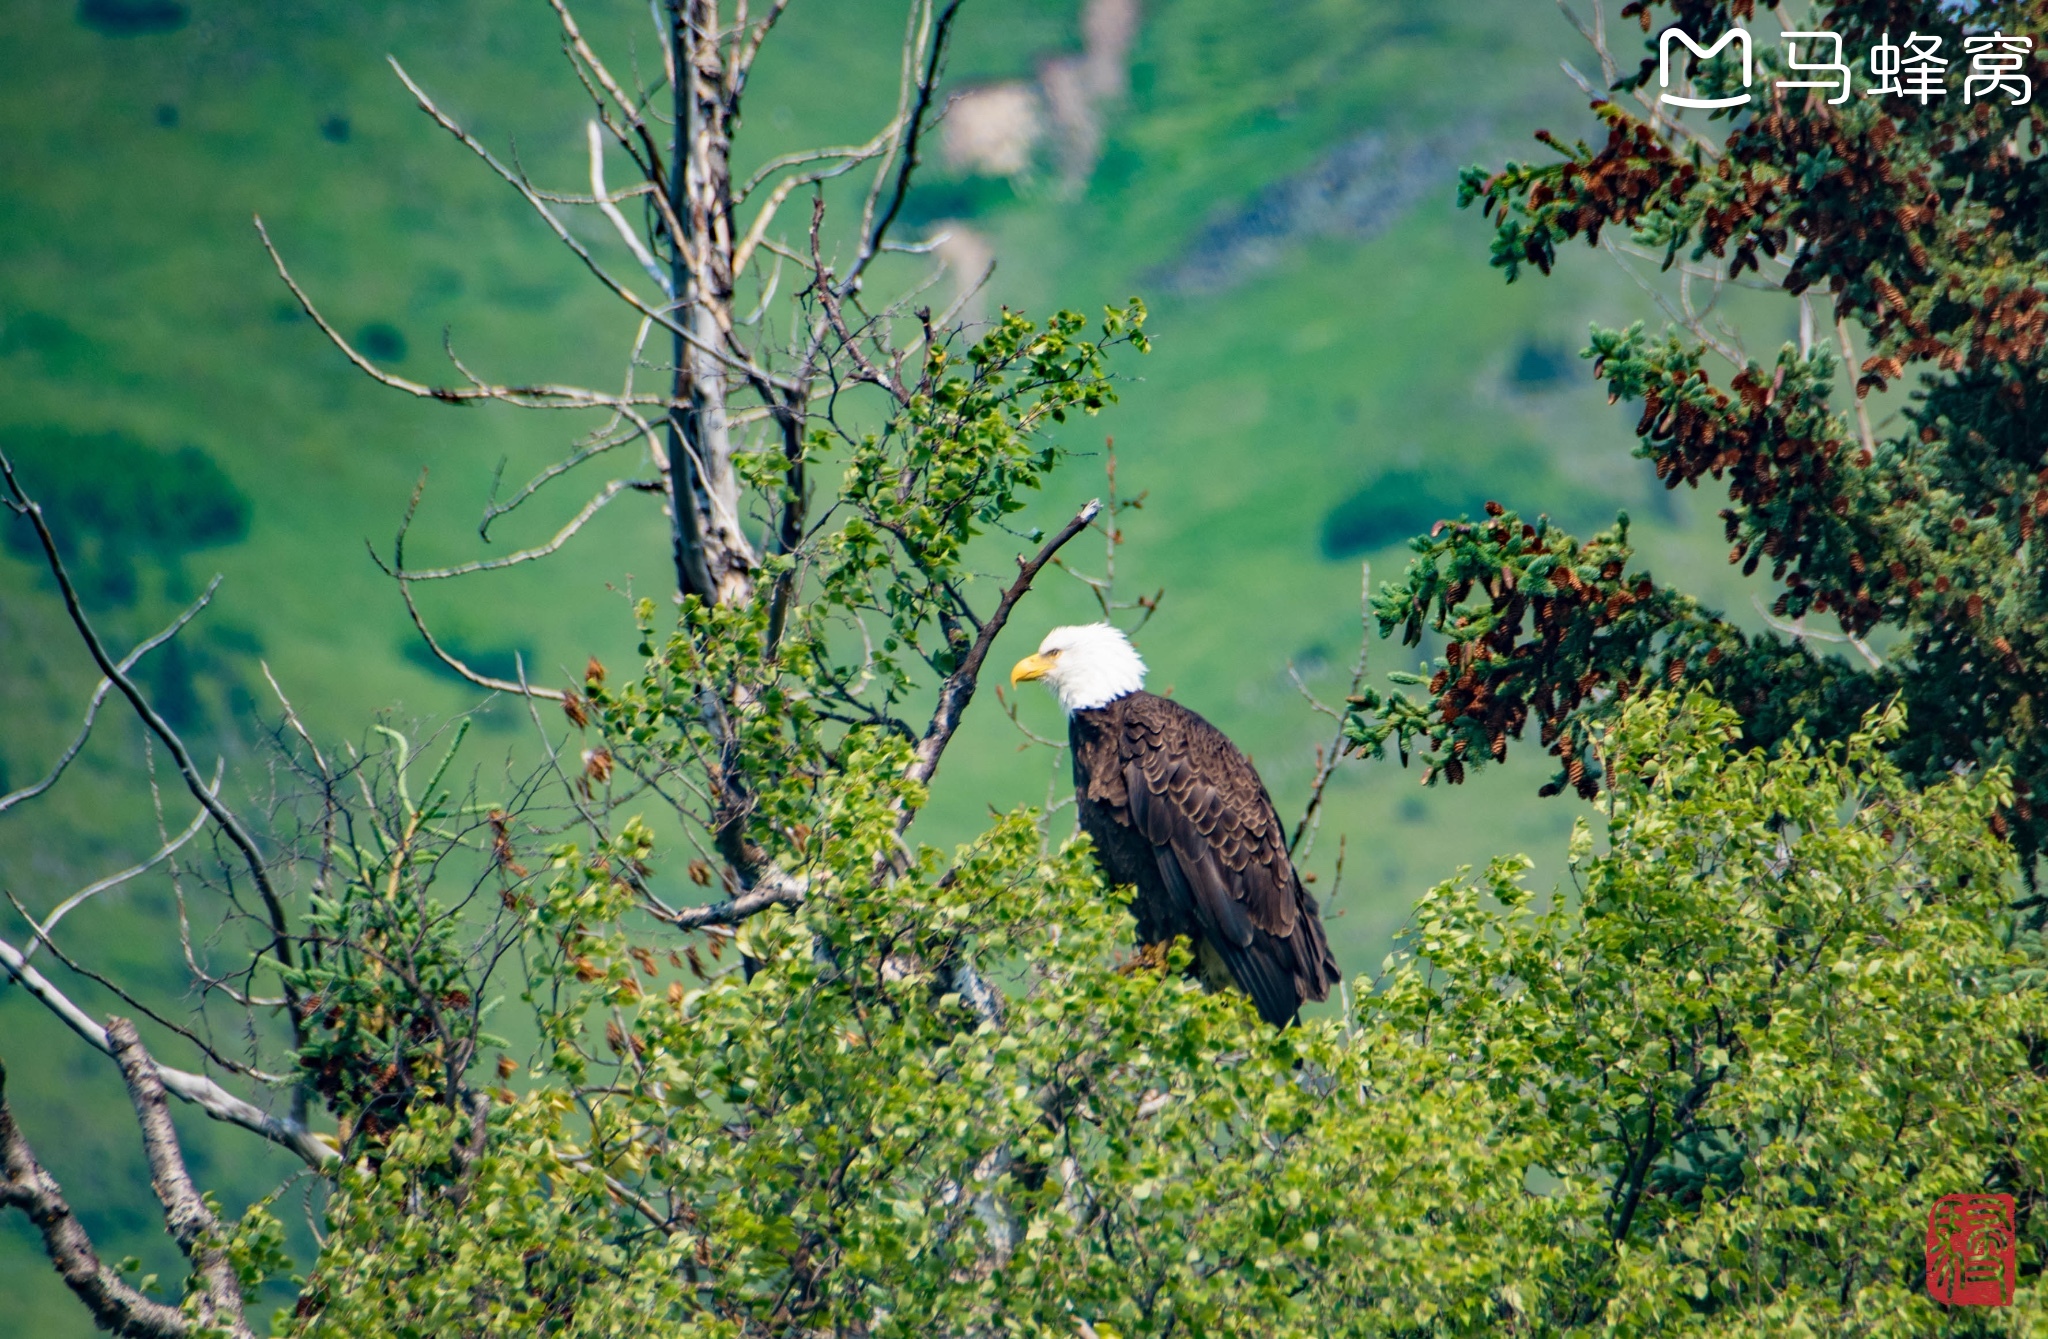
{"points": [[1178, 812]]}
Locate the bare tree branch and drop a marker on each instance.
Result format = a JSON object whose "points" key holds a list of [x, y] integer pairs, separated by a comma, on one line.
{"points": [[562, 536], [913, 120], [92, 890], [659, 315], [239, 835], [114, 988], [396, 570], [610, 209], [115, 1306], [1103, 588], [958, 689], [539, 396], [590, 447], [641, 146], [99, 695], [197, 1089], [802, 156], [292, 717], [1863, 429], [1799, 632], [1009, 707], [525, 189], [844, 161], [1329, 757], [192, 1224], [1688, 319], [774, 889]]}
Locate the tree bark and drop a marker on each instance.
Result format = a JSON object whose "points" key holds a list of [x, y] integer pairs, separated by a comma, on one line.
{"points": [[714, 561], [192, 1225], [115, 1306]]}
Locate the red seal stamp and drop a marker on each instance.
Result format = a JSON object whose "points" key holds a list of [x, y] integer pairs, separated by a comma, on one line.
{"points": [[1972, 1250]]}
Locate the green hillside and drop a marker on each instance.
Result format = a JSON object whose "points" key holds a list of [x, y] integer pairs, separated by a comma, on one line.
{"points": [[1322, 390]]}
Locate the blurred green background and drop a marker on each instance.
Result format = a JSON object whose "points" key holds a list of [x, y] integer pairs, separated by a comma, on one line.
{"points": [[1335, 367]]}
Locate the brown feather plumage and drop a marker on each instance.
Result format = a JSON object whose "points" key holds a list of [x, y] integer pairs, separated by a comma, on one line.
{"points": [[1180, 814]]}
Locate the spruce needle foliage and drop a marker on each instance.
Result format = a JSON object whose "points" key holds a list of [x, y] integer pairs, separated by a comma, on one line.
{"points": [[1911, 225]]}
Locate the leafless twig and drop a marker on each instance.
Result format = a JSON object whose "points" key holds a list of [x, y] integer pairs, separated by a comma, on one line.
{"points": [[928, 49], [94, 889], [1688, 319], [99, 696], [1009, 707], [609, 207], [292, 717], [561, 537], [1331, 756], [539, 396], [1103, 588], [397, 571]]}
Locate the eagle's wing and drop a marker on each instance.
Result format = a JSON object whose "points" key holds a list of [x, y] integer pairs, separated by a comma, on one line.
{"points": [[1222, 853]]}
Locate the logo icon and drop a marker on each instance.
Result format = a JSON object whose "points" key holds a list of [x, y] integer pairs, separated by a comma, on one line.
{"points": [[1738, 36], [1971, 1250]]}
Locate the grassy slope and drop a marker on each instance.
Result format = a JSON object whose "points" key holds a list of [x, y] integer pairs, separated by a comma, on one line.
{"points": [[1262, 407]]}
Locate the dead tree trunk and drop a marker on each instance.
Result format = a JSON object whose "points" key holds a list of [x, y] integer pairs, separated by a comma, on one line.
{"points": [[714, 561]]}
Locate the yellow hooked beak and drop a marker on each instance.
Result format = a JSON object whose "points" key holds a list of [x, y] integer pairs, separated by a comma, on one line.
{"points": [[1033, 666]]}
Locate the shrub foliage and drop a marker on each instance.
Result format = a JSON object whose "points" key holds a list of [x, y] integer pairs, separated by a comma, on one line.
{"points": [[1714, 1086]]}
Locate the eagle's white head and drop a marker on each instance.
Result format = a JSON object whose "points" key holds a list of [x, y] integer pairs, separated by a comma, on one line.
{"points": [[1087, 665]]}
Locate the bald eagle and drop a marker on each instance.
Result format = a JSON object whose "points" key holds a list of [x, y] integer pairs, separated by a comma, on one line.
{"points": [[1176, 811]]}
